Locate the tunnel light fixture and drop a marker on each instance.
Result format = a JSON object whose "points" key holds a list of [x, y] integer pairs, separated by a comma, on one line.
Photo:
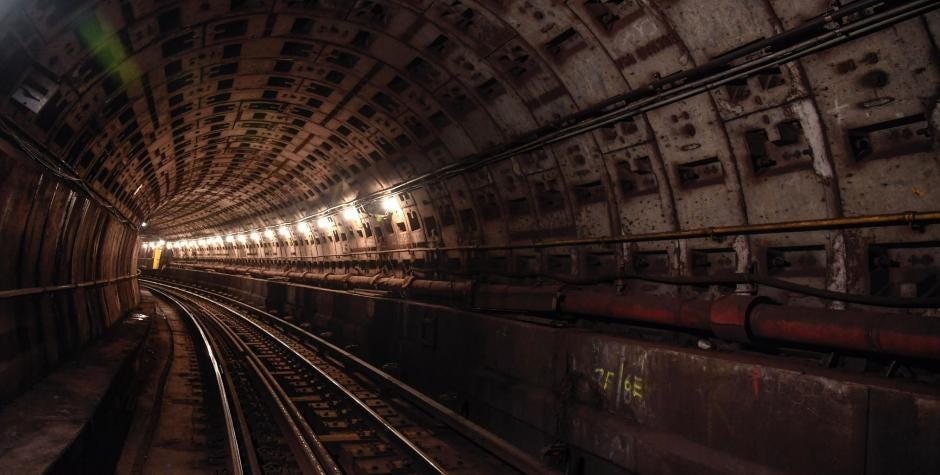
{"points": [[242, 238], [283, 231], [391, 204], [143, 224], [324, 223], [350, 214], [161, 243], [303, 228], [269, 234], [202, 242], [255, 236], [230, 239]]}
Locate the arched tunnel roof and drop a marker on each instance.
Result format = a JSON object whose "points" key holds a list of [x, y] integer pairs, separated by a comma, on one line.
{"points": [[214, 116]]}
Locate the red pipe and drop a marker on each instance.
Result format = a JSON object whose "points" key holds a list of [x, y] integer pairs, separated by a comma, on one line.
{"points": [[734, 318], [660, 310], [900, 334], [517, 298], [743, 318]]}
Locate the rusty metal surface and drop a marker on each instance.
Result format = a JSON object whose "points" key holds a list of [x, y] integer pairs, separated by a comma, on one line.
{"points": [[67, 276], [243, 115]]}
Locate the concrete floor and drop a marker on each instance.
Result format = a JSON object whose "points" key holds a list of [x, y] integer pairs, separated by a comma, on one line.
{"points": [[168, 432]]}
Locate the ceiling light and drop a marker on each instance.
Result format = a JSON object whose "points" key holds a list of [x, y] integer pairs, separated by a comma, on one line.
{"points": [[143, 224], [351, 214], [242, 238], [161, 243], [255, 236], [391, 205], [269, 234], [230, 239], [284, 231], [303, 228], [324, 223]]}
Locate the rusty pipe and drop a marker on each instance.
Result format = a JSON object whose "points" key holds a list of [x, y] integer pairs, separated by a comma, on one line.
{"points": [[660, 310], [747, 319], [899, 334]]}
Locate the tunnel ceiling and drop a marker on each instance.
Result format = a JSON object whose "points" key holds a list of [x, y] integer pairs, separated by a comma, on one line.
{"points": [[210, 115]]}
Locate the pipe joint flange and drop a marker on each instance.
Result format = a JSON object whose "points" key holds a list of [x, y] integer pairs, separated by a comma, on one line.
{"points": [[728, 316]]}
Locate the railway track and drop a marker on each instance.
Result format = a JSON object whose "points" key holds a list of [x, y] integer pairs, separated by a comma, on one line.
{"points": [[294, 402]]}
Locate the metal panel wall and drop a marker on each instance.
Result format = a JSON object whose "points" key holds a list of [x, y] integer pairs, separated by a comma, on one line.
{"points": [[53, 237]]}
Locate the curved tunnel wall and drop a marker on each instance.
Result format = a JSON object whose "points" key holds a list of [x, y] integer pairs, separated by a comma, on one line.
{"points": [[208, 118], [826, 136], [54, 237]]}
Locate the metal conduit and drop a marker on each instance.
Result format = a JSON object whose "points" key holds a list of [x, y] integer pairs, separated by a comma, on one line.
{"points": [[12, 293]]}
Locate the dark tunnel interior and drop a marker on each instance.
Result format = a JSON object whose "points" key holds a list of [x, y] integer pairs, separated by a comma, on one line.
{"points": [[470, 236]]}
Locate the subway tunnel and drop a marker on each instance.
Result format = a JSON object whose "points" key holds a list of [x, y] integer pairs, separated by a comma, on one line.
{"points": [[470, 236]]}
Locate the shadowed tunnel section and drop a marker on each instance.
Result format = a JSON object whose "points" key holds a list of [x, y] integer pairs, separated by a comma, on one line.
{"points": [[580, 158]]}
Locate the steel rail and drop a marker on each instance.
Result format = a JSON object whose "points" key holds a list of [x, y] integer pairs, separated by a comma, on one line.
{"points": [[315, 457], [483, 438], [235, 461], [401, 438]]}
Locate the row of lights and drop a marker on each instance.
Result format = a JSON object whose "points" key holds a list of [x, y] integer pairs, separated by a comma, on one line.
{"points": [[389, 204]]}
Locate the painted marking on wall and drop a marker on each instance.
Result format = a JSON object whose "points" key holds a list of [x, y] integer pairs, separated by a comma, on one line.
{"points": [[629, 386]]}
